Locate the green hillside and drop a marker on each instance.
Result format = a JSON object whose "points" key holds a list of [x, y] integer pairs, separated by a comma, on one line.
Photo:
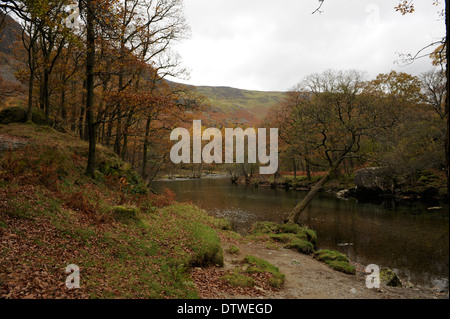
{"points": [[250, 105]]}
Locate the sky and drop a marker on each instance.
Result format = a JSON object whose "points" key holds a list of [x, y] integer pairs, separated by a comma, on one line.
{"points": [[270, 45]]}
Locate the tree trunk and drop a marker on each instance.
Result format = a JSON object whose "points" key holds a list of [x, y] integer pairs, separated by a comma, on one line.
{"points": [[30, 96], [45, 97], [295, 167], [295, 214], [308, 171], [90, 61], [145, 151]]}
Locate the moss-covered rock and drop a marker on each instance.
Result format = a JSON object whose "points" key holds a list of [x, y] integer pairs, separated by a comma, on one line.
{"points": [[257, 265], [341, 266], [330, 255], [125, 214], [208, 251], [238, 279], [18, 114], [335, 260], [302, 246], [389, 277], [294, 236]]}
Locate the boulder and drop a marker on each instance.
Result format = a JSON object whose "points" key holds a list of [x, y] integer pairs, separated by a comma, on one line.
{"points": [[374, 181], [390, 278]]}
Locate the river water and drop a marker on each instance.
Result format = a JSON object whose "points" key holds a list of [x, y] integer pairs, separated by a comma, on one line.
{"points": [[408, 238]]}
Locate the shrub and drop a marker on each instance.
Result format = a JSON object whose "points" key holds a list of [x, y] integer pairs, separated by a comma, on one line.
{"points": [[166, 198]]}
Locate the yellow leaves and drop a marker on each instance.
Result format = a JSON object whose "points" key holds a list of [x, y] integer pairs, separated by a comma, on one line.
{"points": [[405, 7]]}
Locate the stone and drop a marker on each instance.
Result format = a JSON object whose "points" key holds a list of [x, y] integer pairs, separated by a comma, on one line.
{"points": [[373, 180], [390, 278], [295, 262]]}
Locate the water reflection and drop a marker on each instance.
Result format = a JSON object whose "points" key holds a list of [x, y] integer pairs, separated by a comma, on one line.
{"points": [[406, 237]]}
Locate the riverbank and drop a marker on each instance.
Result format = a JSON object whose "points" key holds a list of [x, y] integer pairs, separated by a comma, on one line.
{"points": [[430, 187], [305, 276]]}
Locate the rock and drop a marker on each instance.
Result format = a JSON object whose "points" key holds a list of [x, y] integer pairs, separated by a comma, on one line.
{"points": [[295, 262], [353, 291], [373, 181], [389, 277], [260, 289], [410, 285], [343, 193], [440, 285]]}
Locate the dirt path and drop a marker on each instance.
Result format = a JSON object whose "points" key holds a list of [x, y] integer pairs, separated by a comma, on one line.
{"points": [[307, 278]]}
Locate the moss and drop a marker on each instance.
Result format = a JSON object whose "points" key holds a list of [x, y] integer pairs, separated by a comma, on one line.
{"points": [[389, 277], [330, 255], [233, 250], [237, 279], [125, 214], [341, 266], [260, 228], [295, 237], [302, 246], [223, 224], [283, 238], [335, 260], [257, 265], [208, 250]]}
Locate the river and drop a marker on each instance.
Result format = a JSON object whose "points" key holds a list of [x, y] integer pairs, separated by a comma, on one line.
{"points": [[406, 237]]}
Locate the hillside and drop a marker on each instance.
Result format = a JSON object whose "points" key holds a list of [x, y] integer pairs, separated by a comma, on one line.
{"points": [[127, 243], [244, 107]]}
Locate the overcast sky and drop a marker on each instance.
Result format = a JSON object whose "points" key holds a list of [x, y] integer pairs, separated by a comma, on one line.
{"points": [[271, 45]]}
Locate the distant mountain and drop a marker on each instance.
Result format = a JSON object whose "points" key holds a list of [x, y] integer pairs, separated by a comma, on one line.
{"points": [[9, 37]]}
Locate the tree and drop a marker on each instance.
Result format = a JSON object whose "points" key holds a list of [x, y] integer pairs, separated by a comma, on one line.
{"points": [[333, 116]]}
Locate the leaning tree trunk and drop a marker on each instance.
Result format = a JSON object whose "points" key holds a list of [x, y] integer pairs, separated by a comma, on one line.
{"points": [[295, 213]]}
